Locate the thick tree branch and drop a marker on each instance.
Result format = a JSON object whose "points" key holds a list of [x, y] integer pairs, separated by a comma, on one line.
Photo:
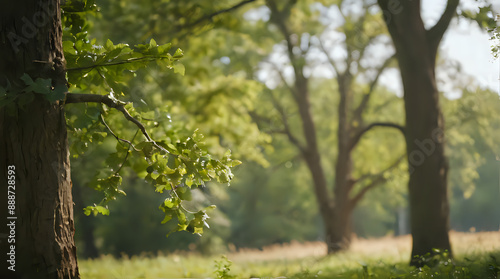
{"points": [[72, 98], [377, 179], [357, 137], [435, 33]]}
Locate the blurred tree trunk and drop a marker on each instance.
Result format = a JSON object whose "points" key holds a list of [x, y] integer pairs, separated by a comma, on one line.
{"points": [[336, 210], [416, 50], [33, 140]]}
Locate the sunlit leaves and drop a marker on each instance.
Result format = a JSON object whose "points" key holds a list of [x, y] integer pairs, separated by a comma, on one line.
{"points": [[96, 209], [108, 62], [484, 18], [173, 163]]}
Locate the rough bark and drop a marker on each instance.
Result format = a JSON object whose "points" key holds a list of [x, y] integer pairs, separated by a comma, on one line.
{"points": [[416, 50], [33, 139]]}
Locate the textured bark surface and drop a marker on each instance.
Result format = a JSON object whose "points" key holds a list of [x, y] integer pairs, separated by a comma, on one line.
{"points": [[416, 50], [33, 139]]}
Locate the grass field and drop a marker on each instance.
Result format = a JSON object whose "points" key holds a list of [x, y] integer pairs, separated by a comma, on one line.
{"points": [[477, 255]]}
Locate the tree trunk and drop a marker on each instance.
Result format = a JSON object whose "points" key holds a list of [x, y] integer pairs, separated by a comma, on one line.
{"points": [[338, 230], [339, 235], [416, 50], [313, 161], [33, 142]]}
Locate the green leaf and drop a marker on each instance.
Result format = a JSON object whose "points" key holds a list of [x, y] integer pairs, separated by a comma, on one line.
{"points": [[27, 79], [68, 48], [178, 54], [168, 217], [113, 54], [169, 203], [185, 194], [235, 163], [109, 45], [152, 43], [164, 48], [96, 209], [179, 69], [58, 94]]}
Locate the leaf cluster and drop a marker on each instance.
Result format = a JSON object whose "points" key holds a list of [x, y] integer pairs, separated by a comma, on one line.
{"points": [[174, 164]]}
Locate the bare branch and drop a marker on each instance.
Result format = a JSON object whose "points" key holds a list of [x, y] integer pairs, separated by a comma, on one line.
{"points": [[282, 77], [358, 136], [212, 15], [287, 131], [116, 137], [279, 18], [377, 179], [130, 60], [126, 156], [377, 108], [358, 112], [330, 59]]}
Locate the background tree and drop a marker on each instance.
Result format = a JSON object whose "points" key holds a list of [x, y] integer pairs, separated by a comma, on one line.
{"points": [[425, 143], [335, 207]]}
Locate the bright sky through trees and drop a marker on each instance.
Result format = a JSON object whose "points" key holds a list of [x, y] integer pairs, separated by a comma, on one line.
{"points": [[466, 43]]}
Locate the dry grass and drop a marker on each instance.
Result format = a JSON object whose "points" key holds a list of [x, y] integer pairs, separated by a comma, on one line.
{"points": [[394, 247]]}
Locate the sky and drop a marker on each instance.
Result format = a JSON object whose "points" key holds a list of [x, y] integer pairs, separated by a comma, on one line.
{"points": [[466, 43], [463, 42]]}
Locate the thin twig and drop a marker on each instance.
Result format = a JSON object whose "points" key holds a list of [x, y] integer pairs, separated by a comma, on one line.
{"points": [[116, 137], [358, 112], [286, 125], [377, 180], [126, 156], [130, 60], [212, 15]]}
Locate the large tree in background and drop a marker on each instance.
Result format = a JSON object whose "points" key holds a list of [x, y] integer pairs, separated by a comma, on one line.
{"points": [[338, 199], [416, 50]]}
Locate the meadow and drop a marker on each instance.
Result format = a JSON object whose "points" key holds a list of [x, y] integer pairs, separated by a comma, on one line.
{"points": [[477, 255]]}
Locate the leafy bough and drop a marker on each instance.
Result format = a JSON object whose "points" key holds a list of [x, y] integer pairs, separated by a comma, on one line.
{"points": [[174, 167]]}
